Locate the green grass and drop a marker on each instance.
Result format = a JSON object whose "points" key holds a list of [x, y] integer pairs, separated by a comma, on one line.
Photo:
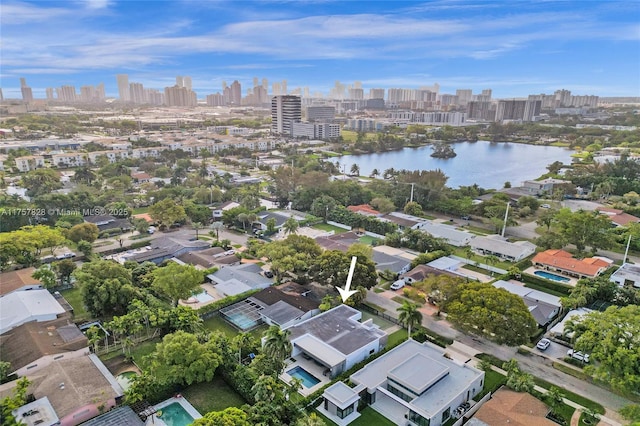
{"points": [[215, 395], [328, 228], [401, 299], [368, 417], [143, 349], [352, 136], [217, 323], [381, 322], [459, 251], [545, 289], [140, 210], [74, 297], [366, 239], [477, 230], [578, 399], [397, 337]]}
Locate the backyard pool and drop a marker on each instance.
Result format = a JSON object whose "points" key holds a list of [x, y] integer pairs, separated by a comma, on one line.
{"points": [[308, 380], [203, 297], [550, 276], [174, 414], [124, 379], [242, 320]]}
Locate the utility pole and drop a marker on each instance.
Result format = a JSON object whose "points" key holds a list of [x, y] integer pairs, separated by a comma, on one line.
{"points": [[626, 251], [412, 183], [506, 215]]}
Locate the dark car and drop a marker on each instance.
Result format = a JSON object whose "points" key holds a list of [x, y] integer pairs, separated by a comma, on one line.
{"points": [[268, 274]]}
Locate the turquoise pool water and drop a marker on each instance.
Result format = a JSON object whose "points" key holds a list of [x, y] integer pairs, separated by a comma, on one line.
{"points": [[242, 321], [550, 276], [308, 380], [203, 297], [174, 414]]}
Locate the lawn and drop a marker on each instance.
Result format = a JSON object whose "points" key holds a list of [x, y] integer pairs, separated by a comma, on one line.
{"points": [[217, 323], [381, 322], [396, 337], [368, 417], [140, 210], [578, 399], [74, 297], [368, 240], [352, 136], [492, 381], [143, 349], [215, 395], [328, 228]]}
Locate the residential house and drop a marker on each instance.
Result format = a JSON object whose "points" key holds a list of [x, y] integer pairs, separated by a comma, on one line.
{"points": [[365, 210], [558, 329], [280, 217], [403, 220], [618, 217], [76, 390], [421, 272], [512, 408], [341, 241], [543, 307], [385, 261], [34, 345], [69, 159], [152, 152], [228, 205], [106, 222], [564, 263], [165, 248], [141, 177], [29, 162], [112, 155], [122, 415], [412, 384], [232, 280], [336, 339], [21, 307], [209, 258], [627, 275], [544, 186], [18, 280], [283, 309], [448, 233], [499, 246]]}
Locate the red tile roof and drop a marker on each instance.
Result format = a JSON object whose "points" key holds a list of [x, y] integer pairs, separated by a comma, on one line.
{"points": [[364, 209], [563, 260], [618, 217]]}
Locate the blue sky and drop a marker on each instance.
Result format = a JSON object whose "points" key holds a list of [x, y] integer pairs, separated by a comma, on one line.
{"points": [[514, 47]]}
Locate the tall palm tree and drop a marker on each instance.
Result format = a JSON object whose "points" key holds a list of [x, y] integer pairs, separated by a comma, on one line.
{"points": [[374, 173], [241, 341], [409, 315], [197, 226], [311, 420], [276, 343], [216, 226], [290, 226]]}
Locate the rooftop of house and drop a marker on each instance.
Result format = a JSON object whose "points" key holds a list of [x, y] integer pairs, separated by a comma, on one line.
{"points": [[423, 369], [619, 217], [337, 329], [421, 272], [365, 209], [629, 272], [118, 416], [31, 341], [23, 306], [513, 408], [168, 246], [498, 244], [209, 257], [271, 295], [541, 305], [14, 280], [561, 259]]}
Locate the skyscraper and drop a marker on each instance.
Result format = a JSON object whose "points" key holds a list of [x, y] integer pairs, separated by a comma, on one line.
{"points": [[285, 110], [235, 94], [27, 94], [123, 87]]}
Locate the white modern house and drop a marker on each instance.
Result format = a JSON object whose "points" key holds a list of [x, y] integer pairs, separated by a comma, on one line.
{"points": [[448, 233], [414, 384], [627, 275], [336, 339]]}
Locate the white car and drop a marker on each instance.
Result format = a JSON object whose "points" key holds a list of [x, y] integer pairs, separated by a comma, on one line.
{"points": [[397, 285], [543, 344], [67, 255], [545, 206], [578, 355]]}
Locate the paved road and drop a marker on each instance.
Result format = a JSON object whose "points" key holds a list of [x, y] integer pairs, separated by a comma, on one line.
{"points": [[538, 365]]}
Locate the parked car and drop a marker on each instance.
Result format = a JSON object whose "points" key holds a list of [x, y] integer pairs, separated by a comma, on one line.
{"points": [[268, 274], [578, 355], [397, 285], [545, 206], [66, 255], [543, 344]]}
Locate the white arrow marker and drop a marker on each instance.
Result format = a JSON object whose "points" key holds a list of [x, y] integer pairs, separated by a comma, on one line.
{"points": [[345, 293]]}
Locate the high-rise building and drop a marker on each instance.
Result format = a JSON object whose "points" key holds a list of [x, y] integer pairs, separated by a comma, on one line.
{"points": [[376, 93], [123, 87], [321, 113], [265, 84], [464, 96], [186, 82], [1, 95], [179, 96], [49, 92], [136, 91], [235, 93], [27, 94], [66, 94], [285, 110]]}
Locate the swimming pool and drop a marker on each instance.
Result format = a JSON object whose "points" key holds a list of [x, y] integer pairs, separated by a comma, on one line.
{"points": [[174, 414], [550, 276], [203, 297], [308, 379], [242, 320]]}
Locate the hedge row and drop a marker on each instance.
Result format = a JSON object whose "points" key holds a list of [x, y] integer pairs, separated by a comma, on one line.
{"points": [[422, 334], [550, 285]]}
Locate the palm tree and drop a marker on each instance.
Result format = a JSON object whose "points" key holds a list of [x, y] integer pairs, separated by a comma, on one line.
{"points": [[311, 420], [554, 398], [355, 170], [242, 340], [374, 173], [243, 217], [276, 343], [409, 315], [196, 227], [291, 226], [216, 226]]}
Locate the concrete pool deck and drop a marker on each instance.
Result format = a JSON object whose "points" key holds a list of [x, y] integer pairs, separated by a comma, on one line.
{"points": [[532, 270], [155, 420]]}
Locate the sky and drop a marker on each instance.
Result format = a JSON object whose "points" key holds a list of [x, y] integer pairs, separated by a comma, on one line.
{"points": [[514, 47]]}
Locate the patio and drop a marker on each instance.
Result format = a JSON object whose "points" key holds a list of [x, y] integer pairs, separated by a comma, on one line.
{"points": [[309, 365], [571, 280]]}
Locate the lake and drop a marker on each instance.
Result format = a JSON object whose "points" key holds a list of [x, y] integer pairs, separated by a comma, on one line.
{"points": [[488, 164]]}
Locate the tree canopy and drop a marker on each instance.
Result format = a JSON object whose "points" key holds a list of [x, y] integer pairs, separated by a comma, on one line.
{"points": [[176, 281]]}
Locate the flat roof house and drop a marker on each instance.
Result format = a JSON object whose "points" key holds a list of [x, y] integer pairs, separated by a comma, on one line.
{"points": [[337, 339], [627, 275], [449, 233], [232, 280], [412, 384]]}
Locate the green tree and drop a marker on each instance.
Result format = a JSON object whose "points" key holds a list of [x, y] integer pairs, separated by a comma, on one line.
{"points": [[177, 281], [271, 225], [554, 398], [290, 226], [167, 212], [585, 229], [310, 420], [216, 227], [276, 344], [611, 339], [181, 359], [355, 170], [409, 315], [46, 276], [85, 248], [141, 225], [383, 204], [41, 181], [197, 226], [64, 269], [84, 232], [413, 208], [494, 313], [12, 402], [231, 416], [106, 287], [5, 369], [631, 412], [546, 218], [332, 267]]}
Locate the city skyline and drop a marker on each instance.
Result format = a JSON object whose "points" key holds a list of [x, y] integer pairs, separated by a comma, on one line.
{"points": [[588, 48]]}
